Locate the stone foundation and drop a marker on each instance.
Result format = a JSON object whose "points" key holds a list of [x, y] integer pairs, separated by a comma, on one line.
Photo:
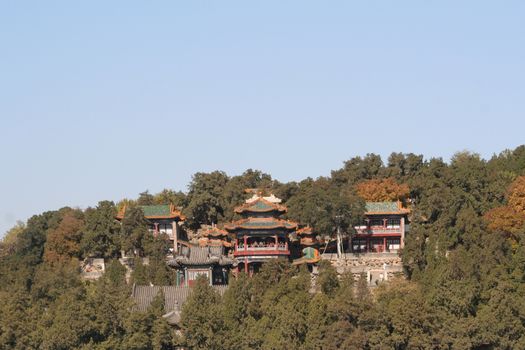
{"points": [[377, 267]]}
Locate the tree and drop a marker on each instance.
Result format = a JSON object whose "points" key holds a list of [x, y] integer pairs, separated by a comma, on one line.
{"points": [[235, 310], [145, 198], [102, 231], [402, 166], [67, 325], [382, 190], [177, 198], [510, 219], [63, 243], [328, 280], [408, 319], [8, 242], [134, 230], [319, 320], [200, 321], [325, 207], [203, 204], [110, 305], [284, 322], [358, 169]]}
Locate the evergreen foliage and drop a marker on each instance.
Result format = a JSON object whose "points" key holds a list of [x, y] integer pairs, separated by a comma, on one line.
{"points": [[102, 232]]}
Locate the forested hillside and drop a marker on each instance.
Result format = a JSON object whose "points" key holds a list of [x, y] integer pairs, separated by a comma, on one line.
{"points": [[464, 260]]}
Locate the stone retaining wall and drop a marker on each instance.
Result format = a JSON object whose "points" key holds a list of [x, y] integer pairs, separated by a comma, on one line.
{"points": [[377, 267]]}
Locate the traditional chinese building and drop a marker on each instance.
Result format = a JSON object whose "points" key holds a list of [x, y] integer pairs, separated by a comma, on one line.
{"points": [[174, 298], [261, 234], [162, 219], [383, 229], [193, 261], [308, 246]]}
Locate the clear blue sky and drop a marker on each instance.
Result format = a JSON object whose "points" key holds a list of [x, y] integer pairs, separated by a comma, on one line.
{"points": [[104, 99]]}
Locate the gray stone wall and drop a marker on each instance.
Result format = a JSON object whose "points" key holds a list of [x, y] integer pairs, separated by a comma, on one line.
{"points": [[376, 267]]}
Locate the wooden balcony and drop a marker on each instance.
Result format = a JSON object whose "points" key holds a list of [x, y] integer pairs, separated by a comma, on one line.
{"points": [[266, 250], [378, 230]]}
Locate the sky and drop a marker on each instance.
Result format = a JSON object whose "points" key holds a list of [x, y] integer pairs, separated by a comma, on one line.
{"points": [[105, 99]]}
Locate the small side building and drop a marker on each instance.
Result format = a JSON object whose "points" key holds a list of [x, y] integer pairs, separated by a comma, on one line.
{"points": [[162, 219], [383, 229], [210, 261], [174, 298]]}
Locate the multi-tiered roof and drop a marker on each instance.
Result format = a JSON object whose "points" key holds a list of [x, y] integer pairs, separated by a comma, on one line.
{"points": [[261, 213], [214, 236], [307, 237]]}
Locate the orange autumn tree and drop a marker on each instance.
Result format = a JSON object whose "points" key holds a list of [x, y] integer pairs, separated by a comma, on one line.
{"points": [[510, 219], [63, 242], [382, 190]]}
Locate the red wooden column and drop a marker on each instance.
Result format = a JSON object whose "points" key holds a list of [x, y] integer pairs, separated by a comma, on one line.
{"points": [[245, 265], [384, 244], [245, 242], [276, 242]]}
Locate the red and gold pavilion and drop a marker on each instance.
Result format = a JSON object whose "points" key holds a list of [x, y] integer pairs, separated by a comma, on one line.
{"points": [[260, 235]]}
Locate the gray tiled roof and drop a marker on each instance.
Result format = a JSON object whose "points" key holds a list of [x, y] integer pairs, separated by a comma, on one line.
{"points": [[174, 296], [195, 256]]}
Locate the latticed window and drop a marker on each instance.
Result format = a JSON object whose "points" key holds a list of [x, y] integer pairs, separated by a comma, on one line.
{"points": [[359, 245], [376, 222], [393, 243], [393, 223]]}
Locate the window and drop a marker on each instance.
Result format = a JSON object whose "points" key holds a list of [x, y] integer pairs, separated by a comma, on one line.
{"points": [[359, 245], [376, 222], [393, 223], [393, 243]]}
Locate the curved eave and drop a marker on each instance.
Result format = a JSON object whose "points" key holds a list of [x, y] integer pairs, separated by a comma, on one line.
{"points": [[255, 210], [404, 212], [175, 214], [180, 217], [309, 243], [215, 234], [304, 234], [264, 227], [251, 207]]}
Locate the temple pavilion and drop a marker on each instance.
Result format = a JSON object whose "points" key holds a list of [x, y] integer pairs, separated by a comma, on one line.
{"points": [[383, 229], [261, 234]]}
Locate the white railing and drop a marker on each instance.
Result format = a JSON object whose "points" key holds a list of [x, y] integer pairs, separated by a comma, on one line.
{"points": [[378, 230], [251, 248]]}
